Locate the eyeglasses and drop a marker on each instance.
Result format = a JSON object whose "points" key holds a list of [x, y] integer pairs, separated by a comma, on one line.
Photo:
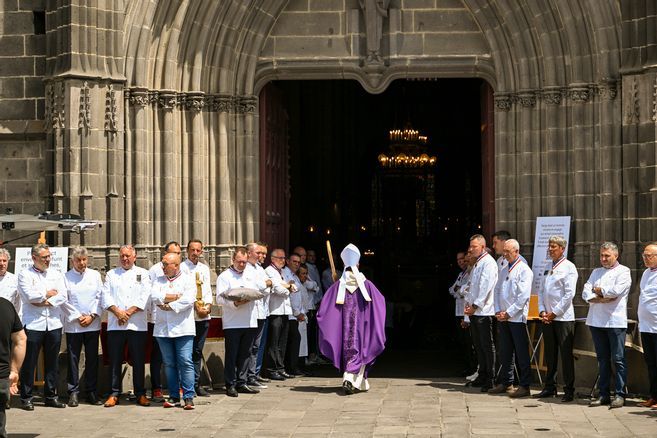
{"points": [[647, 256], [278, 257]]}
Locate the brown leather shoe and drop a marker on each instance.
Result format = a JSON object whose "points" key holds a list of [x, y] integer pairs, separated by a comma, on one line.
{"points": [[500, 389], [647, 403], [520, 392], [111, 401], [143, 401]]}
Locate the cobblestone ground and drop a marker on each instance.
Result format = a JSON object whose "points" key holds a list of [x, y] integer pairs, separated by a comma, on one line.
{"points": [[315, 407]]}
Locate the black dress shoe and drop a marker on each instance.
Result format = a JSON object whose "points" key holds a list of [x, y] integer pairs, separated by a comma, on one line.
{"points": [[54, 403], [256, 385], [567, 397], [27, 406], [286, 375], [231, 391], [546, 393], [276, 376], [93, 399], [73, 401], [245, 389], [262, 380], [201, 392]]}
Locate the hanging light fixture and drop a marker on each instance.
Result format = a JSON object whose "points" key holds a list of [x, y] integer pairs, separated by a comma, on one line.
{"points": [[407, 149]]}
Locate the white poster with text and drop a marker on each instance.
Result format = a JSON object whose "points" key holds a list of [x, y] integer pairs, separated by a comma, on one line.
{"points": [[545, 227], [58, 259]]}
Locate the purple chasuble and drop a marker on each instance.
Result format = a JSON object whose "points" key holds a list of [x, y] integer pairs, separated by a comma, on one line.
{"points": [[352, 334]]}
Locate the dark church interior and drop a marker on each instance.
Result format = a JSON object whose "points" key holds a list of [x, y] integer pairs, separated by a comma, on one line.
{"points": [[408, 222]]}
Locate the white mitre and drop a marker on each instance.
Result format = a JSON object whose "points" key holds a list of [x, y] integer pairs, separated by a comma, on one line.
{"points": [[350, 255]]}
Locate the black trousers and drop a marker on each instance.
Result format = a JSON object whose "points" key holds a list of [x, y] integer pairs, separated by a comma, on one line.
{"points": [[292, 349], [482, 338], [156, 361], [558, 337], [512, 338], [4, 398], [277, 342], [253, 353], [649, 342], [465, 343], [116, 341], [238, 342], [202, 328], [312, 332], [74, 343], [50, 340]]}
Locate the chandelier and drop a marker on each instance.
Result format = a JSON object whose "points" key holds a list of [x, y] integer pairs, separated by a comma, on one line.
{"points": [[408, 149]]}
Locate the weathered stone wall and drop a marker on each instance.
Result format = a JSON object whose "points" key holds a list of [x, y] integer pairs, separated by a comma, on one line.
{"points": [[23, 161]]}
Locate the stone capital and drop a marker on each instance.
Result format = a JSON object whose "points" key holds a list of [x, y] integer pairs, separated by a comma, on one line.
{"points": [[503, 101], [138, 96]]}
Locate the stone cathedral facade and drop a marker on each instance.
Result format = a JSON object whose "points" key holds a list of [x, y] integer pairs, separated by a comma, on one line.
{"points": [[144, 114]]}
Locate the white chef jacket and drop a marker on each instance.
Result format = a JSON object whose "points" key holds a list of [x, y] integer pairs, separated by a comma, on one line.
{"points": [[179, 321], [312, 289], [513, 291], [481, 291], [559, 290], [647, 311], [457, 290], [84, 295], [296, 299], [155, 271], [244, 316], [206, 288], [9, 290], [279, 298], [32, 287], [615, 283], [502, 263], [261, 305], [125, 289]]}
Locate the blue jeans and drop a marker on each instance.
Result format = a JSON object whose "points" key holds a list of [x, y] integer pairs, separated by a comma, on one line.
{"points": [[178, 365], [197, 349], [610, 346]]}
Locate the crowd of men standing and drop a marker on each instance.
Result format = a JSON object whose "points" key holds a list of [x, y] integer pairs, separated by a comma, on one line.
{"points": [[164, 312], [492, 306]]}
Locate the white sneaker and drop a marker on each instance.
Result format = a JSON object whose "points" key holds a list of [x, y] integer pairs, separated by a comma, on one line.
{"points": [[473, 377]]}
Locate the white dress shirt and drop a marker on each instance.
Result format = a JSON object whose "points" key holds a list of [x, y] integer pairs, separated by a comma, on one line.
{"points": [[647, 311], [9, 290], [84, 295], [261, 305], [32, 287], [457, 290], [244, 316], [179, 321], [279, 298], [312, 289], [315, 276], [513, 291], [296, 299], [615, 282], [481, 290], [206, 288], [125, 289], [559, 290]]}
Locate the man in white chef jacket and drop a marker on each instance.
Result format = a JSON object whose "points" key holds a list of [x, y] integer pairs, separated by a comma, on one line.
{"points": [[174, 293], [200, 273], [240, 323], [279, 315], [126, 294], [606, 291], [555, 303], [43, 292], [84, 287], [8, 282], [263, 284], [647, 314], [479, 307], [155, 368], [512, 293]]}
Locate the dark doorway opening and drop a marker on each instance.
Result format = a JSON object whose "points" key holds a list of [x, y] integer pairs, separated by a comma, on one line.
{"points": [[410, 225]]}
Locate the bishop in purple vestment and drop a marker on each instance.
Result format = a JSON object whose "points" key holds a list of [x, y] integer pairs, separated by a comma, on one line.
{"points": [[351, 320]]}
